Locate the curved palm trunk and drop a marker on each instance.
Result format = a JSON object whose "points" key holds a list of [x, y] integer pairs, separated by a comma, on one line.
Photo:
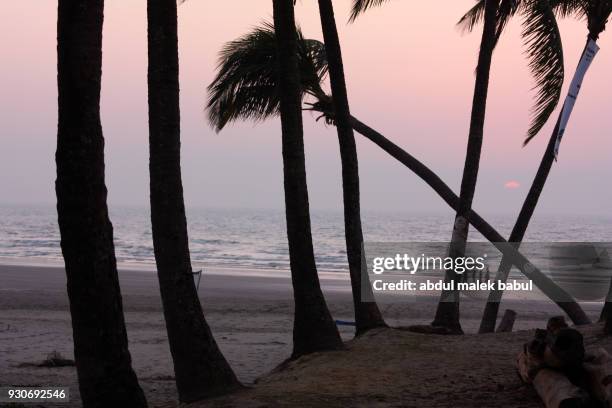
{"points": [[367, 314], [103, 361], [201, 370], [313, 329], [547, 286], [447, 314], [489, 317]]}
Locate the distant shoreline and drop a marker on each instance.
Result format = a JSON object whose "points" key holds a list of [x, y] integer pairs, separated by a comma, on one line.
{"points": [[224, 269]]}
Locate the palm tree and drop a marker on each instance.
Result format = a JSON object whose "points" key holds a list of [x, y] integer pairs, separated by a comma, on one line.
{"points": [[447, 314], [246, 88], [546, 62], [367, 314], [200, 367], [596, 13], [103, 362], [313, 328]]}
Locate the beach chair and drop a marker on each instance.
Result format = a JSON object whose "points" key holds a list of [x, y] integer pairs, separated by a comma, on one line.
{"points": [[199, 277]]}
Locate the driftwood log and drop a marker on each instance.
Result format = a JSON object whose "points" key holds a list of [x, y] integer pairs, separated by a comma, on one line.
{"points": [[557, 391], [553, 363], [553, 387], [507, 322], [598, 369]]}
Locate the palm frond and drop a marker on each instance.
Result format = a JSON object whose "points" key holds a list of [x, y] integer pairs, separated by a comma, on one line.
{"points": [[597, 13], [474, 16], [245, 86], [507, 9], [361, 6], [569, 8], [545, 54]]}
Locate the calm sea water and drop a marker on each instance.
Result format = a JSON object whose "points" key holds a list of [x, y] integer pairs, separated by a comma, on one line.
{"points": [[257, 238]]}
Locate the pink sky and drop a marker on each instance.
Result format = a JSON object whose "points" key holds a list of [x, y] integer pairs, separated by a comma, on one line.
{"points": [[410, 74]]}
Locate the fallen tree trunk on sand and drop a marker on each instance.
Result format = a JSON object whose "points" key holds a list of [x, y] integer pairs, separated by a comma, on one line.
{"points": [[598, 368], [563, 299], [554, 363], [557, 391], [553, 387]]}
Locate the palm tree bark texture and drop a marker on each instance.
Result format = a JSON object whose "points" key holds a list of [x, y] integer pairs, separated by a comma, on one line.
{"points": [[367, 314], [313, 329], [200, 368], [447, 313], [103, 362]]}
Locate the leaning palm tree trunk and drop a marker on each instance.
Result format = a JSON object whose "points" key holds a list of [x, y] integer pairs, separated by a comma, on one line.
{"points": [[200, 368], [447, 314], [547, 286], [367, 314], [489, 317], [103, 362], [313, 329]]}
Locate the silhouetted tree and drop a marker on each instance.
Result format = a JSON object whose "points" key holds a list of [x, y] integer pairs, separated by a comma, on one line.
{"points": [[103, 362], [447, 314], [367, 314], [546, 53], [314, 328], [200, 367]]}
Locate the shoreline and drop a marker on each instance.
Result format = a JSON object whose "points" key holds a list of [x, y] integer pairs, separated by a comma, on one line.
{"points": [[150, 267]]}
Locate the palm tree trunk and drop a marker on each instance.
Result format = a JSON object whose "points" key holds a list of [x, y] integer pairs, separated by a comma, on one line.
{"points": [[489, 317], [200, 367], [447, 314], [103, 362], [547, 286], [313, 329], [367, 314]]}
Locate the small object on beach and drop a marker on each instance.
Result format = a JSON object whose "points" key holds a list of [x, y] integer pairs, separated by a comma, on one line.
{"points": [[55, 359], [556, 323], [199, 275], [345, 323], [507, 322]]}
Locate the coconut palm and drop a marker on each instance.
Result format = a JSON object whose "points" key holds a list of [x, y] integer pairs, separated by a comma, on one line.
{"points": [[313, 327], [596, 13], [367, 314], [447, 313], [246, 88], [103, 362], [200, 368], [545, 52]]}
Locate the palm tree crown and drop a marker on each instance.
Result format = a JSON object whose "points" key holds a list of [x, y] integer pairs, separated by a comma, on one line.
{"points": [[245, 86], [543, 42], [542, 39]]}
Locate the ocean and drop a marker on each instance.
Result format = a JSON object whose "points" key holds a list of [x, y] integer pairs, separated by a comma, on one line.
{"points": [[256, 239]]}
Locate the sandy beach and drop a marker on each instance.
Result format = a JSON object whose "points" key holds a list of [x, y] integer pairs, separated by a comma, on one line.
{"points": [[250, 313]]}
